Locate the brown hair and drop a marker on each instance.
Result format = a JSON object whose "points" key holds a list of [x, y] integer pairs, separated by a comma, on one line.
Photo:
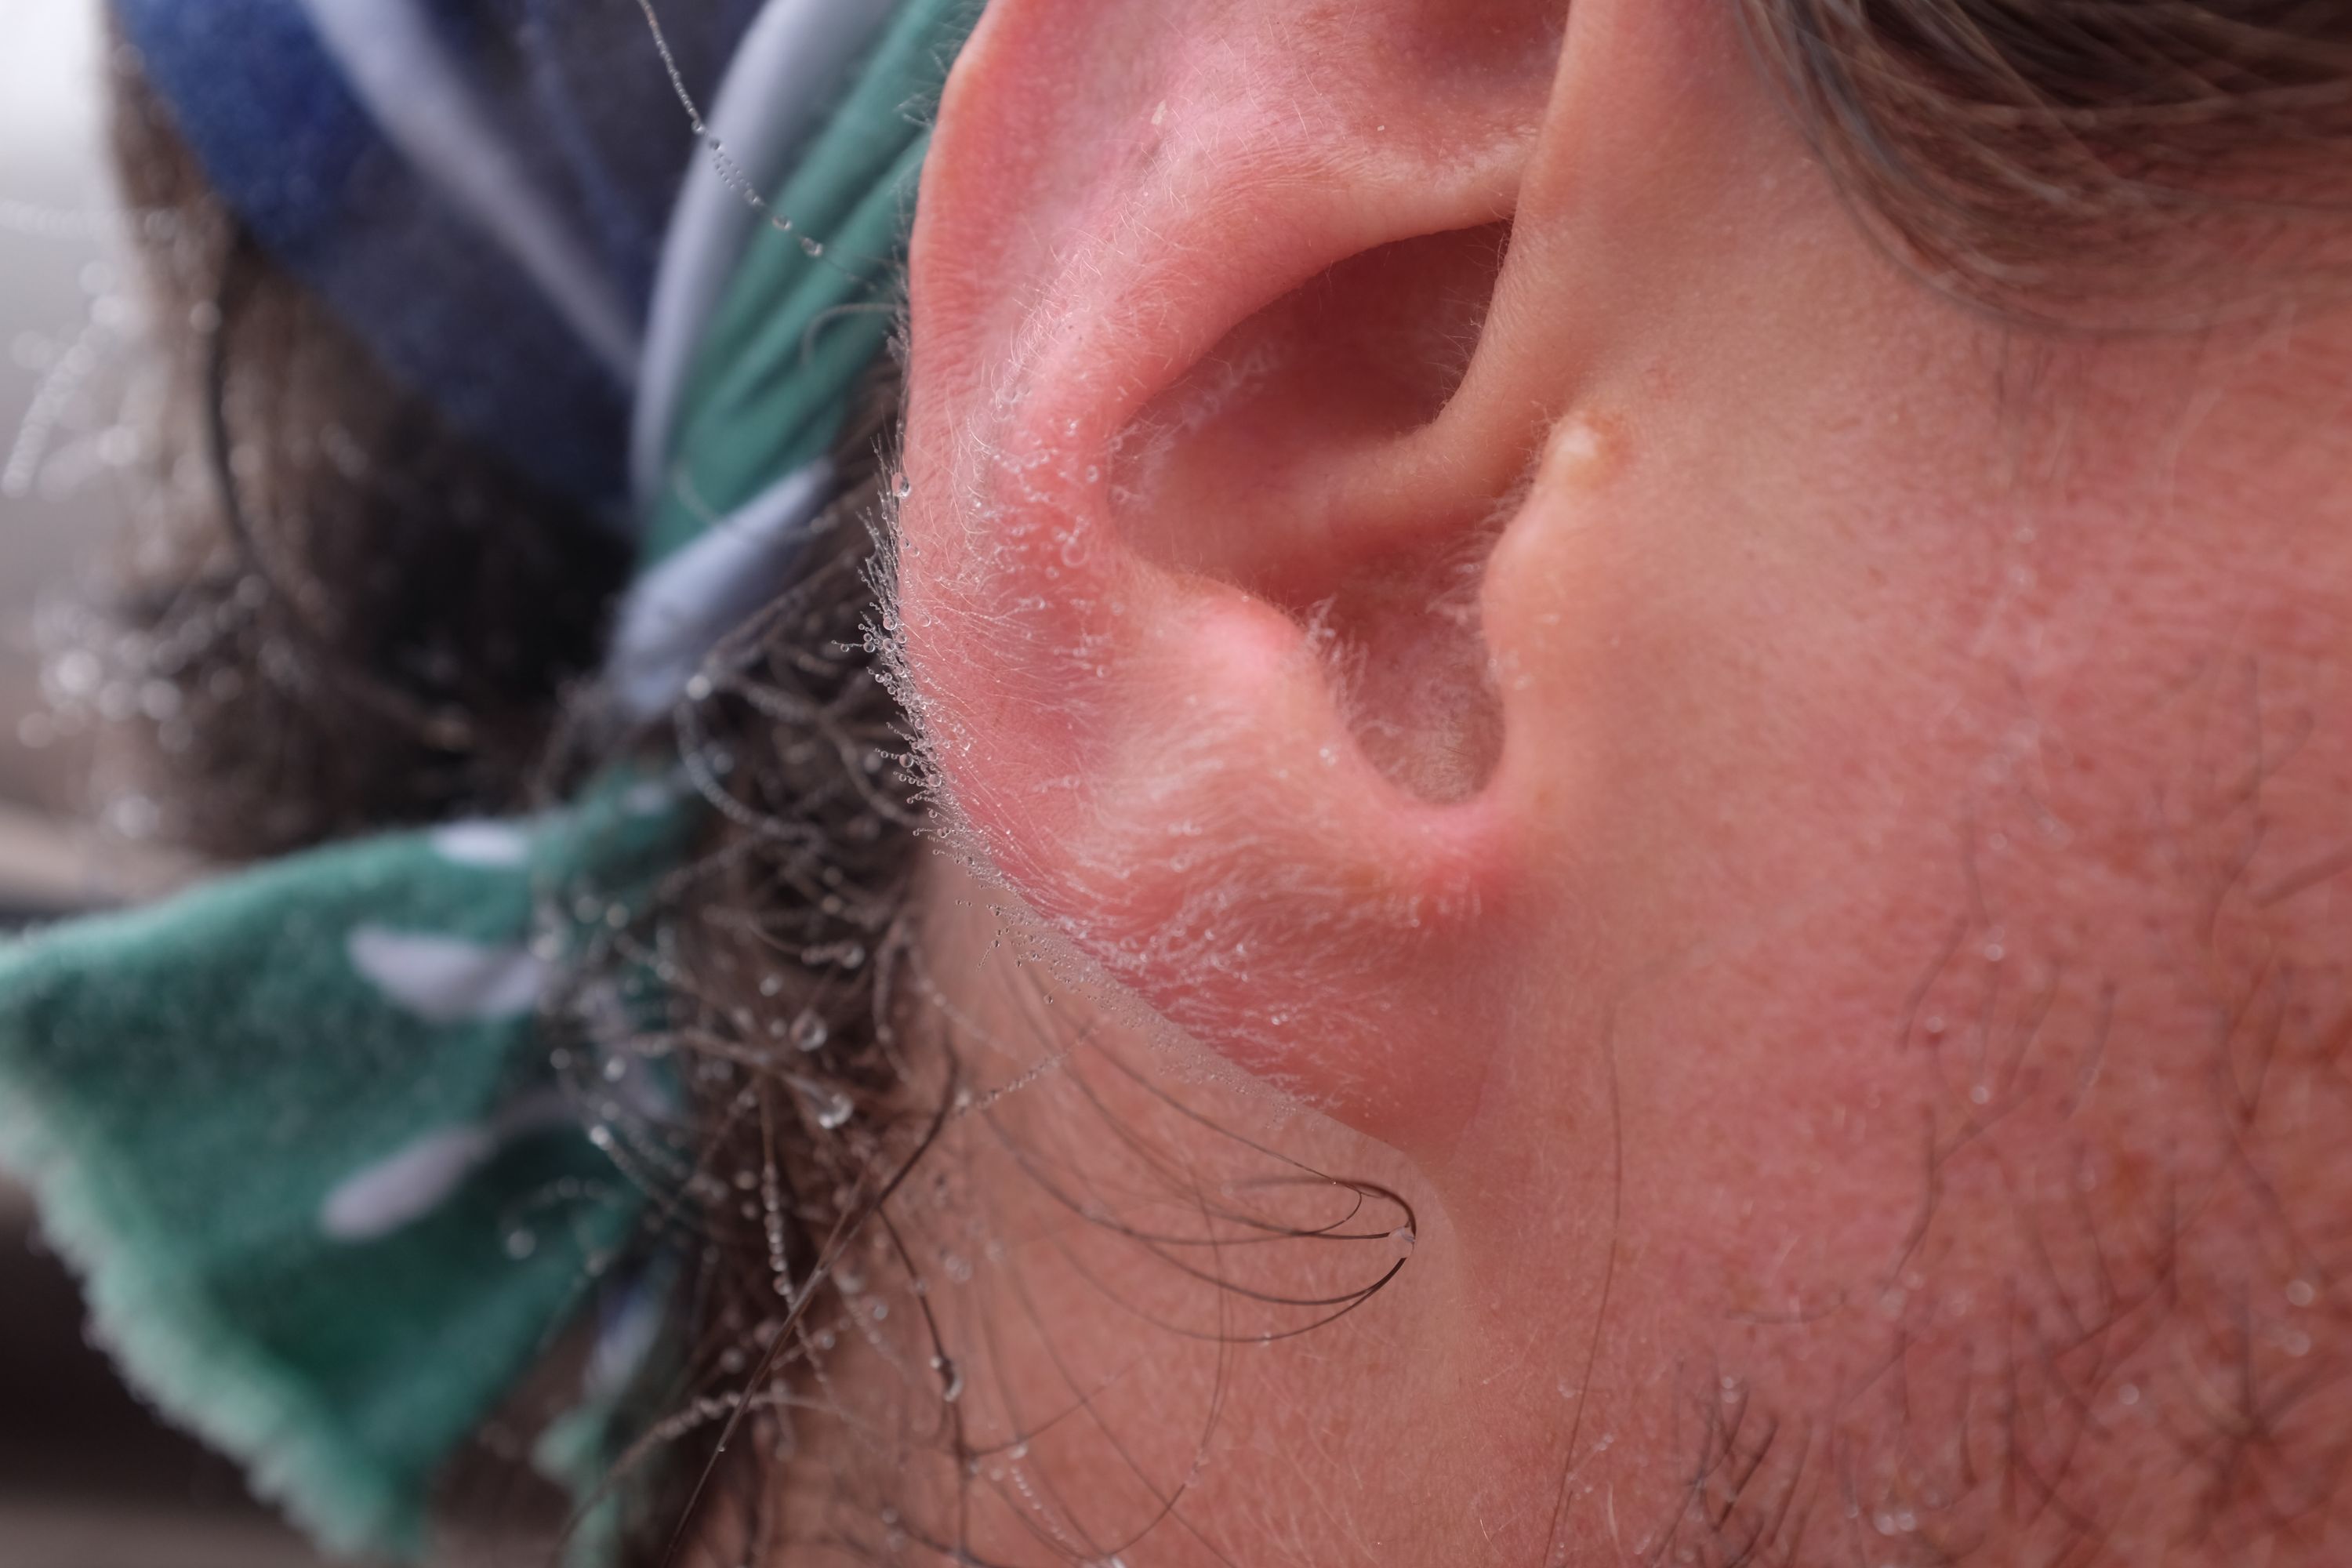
{"points": [[362, 617], [2045, 155]]}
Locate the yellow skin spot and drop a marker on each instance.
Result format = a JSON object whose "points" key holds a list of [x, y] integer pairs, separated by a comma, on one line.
{"points": [[1578, 453]]}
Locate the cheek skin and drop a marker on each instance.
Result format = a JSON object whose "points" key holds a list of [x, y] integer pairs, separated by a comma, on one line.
{"points": [[1957, 800]]}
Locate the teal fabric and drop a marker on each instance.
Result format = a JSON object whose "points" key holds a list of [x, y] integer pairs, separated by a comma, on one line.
{"points": [[192, 1088], [795, 330], [307, 1131]]}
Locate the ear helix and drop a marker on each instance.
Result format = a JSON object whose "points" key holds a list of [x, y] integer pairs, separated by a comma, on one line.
{"points": [[1188, 603]]}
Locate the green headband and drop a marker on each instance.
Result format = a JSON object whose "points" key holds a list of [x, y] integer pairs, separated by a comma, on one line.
{"points": [[333, 1179]]}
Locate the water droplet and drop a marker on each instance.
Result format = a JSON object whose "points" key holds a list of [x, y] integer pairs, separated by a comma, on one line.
{"points": [[809, 1032], [2300, 1293], [521, 1243], [810, 246], [830, 1108], [901, 485]]}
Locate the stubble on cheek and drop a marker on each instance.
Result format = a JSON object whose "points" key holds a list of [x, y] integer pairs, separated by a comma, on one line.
{"points": [[2113, 1328]]}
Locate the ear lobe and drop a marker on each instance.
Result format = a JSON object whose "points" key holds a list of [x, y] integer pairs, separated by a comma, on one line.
{"points": [[1185, 508]]}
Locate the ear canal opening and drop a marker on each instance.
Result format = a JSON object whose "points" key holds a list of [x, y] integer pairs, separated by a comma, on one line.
{"points": [[1271, 466]]}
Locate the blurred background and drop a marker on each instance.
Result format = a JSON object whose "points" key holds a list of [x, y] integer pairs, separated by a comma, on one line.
{"points": [[87, 1479]]}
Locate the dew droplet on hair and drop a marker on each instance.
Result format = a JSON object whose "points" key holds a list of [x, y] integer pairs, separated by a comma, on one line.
{"points": [[730, 172], [831, 1108]]}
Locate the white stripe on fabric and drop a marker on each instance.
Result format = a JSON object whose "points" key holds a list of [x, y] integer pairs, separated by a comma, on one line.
{"points": [[396, 1192], [448, 980], [427, 105], [493, 846], [676, 613], [787, 69]]}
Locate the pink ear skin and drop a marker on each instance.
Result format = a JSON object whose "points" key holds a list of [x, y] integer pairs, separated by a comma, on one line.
{"points": [[1195, 285]]}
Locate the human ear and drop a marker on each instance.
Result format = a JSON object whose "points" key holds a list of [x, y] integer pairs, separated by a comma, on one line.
{"points": [[1188, 585]]}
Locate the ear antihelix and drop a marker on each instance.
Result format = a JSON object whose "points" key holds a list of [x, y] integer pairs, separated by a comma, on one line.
{"points": [[1283, 464]]}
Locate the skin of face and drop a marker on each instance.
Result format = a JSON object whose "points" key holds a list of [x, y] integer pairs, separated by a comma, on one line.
{"points": [[1532, 720]]}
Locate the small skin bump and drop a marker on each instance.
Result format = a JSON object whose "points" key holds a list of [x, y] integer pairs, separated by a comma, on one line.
{"points": [[1582, 450]]}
